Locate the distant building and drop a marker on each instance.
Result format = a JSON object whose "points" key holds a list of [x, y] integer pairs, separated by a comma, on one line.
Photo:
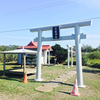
{"points": [[86, 53], [33, 46]]}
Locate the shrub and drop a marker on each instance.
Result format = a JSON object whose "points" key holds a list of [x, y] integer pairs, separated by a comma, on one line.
{"points": [[52, 60], [84, 59], [96, 65], [94, 55], [74, 63]]}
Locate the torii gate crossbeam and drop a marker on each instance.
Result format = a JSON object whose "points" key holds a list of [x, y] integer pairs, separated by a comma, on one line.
{"points": [[77, 38]]}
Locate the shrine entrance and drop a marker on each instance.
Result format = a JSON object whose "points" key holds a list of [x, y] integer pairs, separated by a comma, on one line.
{"points": [[56, 37]]}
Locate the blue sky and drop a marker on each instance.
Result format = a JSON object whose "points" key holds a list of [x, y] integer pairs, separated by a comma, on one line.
{"points": [[26, 14]]}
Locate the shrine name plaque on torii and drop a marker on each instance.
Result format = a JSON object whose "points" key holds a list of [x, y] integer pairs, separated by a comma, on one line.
{"points": [[56, 37]]}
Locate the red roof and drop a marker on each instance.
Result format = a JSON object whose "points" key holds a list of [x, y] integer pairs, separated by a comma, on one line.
{"points": [[33, 45]]}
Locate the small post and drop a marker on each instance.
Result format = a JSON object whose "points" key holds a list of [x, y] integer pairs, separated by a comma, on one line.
{"points": [[21, 60], [39, 52], [71, 56], [24, 68], [45, 57], [49, 57], [4, 65], [68, 57], [78, 56]]}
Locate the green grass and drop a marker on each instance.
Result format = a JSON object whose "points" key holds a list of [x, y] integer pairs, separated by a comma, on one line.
{"points": [[93, 61], [12, 86], [74, 59]]}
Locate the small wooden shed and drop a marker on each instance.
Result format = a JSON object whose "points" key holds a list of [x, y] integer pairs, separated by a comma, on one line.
{"points": [[18, 51]]}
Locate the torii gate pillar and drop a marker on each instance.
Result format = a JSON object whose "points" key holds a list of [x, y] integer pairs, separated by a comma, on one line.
{"points": [[39, 52], [78, 56]]}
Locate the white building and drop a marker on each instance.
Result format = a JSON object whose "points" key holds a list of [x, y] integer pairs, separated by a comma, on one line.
{"points": [[33, 46]]}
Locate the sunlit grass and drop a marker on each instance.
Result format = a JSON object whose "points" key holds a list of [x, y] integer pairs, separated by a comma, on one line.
{"points": [[93, 61], [12, 84]]}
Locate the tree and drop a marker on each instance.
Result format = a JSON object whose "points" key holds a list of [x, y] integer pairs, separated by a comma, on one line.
{"points": [[94, 55], [59, 52], [84, 59], [9, 57], [87, 48], [31, 59]]}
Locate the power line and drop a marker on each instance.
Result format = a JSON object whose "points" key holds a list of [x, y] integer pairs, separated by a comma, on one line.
{"points": [[94, 18], [14, 30], [38, 7], [29, 28]]}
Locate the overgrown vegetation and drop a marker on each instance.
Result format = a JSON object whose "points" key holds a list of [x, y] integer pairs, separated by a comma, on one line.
{"points": [[90, 57], [84, 59], [94, 55]]}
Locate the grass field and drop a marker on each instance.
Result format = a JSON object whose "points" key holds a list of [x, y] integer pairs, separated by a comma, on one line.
{"points": [[11, 87]]}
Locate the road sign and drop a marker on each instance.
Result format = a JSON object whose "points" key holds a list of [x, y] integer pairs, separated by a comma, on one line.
{"points": [[56, 32]]}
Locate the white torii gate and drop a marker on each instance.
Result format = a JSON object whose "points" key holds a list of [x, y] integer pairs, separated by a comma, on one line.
{"points": [[77, 36]]}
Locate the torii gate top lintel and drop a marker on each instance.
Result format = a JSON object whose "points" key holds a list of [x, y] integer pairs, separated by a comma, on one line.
{"points": [[62, 26]]}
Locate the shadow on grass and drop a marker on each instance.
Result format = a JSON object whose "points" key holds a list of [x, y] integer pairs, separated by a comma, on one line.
{"points": [[15, 68], [12, 64], [65, 92], [67, 84], [91, 71], [12, 77], [32, 80]]}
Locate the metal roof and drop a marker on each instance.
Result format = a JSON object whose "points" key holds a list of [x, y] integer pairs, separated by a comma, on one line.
{"points": [[19, 51]]}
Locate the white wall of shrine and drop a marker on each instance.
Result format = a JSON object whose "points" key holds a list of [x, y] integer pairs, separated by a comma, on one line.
{"points": [[44, 56]]}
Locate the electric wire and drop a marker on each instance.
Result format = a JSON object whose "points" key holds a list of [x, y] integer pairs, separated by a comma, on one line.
{"points": [[29, 28], [37, 8]]}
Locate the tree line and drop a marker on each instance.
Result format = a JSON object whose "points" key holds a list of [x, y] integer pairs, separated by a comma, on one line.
{"points": [[60, 53], [9, 57], [88, 48]]}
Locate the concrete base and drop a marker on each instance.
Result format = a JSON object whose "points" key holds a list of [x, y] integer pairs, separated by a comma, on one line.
{"points": [[20, 71], [81, 86], [38, 79]]}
